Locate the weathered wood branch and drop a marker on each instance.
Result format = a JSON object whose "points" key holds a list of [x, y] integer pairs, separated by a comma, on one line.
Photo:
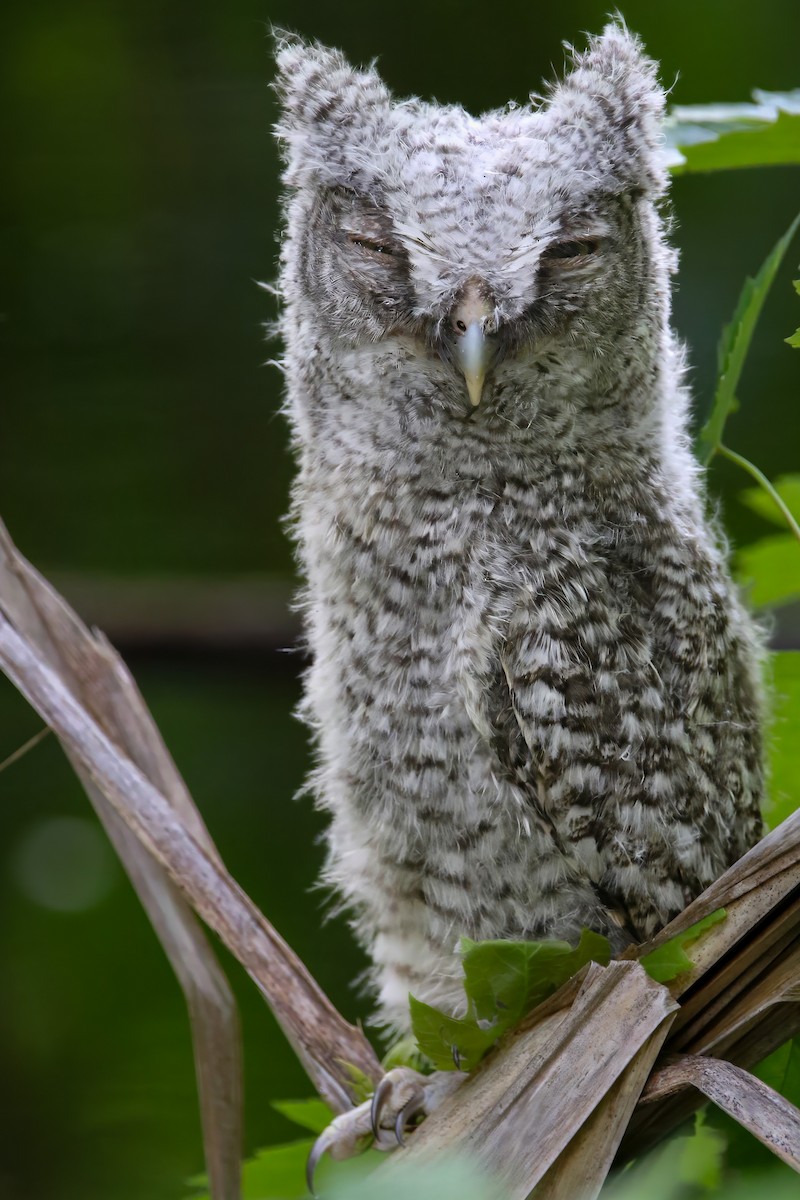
{"points": [[747, 1099], [99, 679], [590, 1075], [741, 1000], [81, 688], [546, 1111], [323, 1041]]}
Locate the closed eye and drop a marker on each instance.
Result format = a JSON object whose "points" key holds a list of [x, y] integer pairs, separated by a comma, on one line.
{"points": [[371, 245], [571, 252]]}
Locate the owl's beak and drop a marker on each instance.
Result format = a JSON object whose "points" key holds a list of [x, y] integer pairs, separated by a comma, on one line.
{"points": [[472, 348]]}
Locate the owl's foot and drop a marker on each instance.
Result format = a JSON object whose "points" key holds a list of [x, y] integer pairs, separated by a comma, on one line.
{"points": [[400, 1097]]}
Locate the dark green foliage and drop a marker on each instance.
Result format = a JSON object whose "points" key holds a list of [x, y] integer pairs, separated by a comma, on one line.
{"points": [[784, 743], [735, 342], [794, 340]]}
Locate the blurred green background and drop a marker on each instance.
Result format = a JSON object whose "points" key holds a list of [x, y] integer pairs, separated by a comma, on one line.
{"points": [[144, 466]]}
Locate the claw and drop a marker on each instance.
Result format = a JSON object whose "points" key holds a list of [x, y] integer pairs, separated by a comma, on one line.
{"points": [[402, 1089], [379, 1099], [317, 1150], [406, 1114]]}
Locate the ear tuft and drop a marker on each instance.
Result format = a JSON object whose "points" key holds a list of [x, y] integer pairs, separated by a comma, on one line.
{"points": [[316, 84], [322, 97], [611, 101]]}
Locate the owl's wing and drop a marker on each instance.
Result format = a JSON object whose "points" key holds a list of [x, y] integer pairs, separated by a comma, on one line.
{"points": [[571, 725], [632, 689]]}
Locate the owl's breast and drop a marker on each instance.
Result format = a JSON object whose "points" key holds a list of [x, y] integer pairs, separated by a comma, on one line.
{"points": [[406, 618]]}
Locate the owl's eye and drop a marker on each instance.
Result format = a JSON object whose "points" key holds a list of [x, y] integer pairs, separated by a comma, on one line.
{"points": [[567, 252], [369, 244]]}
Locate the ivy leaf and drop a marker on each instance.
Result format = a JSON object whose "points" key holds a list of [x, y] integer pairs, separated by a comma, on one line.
{"points": [[735, 342], [770, 569], [451, 1043], [671, 959], [504, 980]]}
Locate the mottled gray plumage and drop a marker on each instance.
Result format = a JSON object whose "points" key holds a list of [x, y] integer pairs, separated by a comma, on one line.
{"points": [[533, 689]]}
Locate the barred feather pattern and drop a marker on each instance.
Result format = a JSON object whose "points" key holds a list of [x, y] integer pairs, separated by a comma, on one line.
{"points": [[533, 690]]}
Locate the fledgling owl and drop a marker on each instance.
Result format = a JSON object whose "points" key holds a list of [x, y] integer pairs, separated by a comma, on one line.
{"points": [[533, 689]]}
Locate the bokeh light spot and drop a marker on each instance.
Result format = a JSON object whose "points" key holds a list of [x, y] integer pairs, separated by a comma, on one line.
{"points": [[64, 864]]}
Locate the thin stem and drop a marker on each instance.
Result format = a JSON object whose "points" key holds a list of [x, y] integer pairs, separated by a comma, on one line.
{"points": [[761, 479], [23, 750]]}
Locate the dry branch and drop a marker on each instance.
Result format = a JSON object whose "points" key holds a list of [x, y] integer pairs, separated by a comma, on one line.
{"points": [[81, 688], [741, 1000], [748, 1100], [323, 1041], [98, 679], [584, 1078], [549, 1107]]}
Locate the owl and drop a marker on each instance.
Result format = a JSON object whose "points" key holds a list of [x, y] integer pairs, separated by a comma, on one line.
{"points": [[533, 690]]}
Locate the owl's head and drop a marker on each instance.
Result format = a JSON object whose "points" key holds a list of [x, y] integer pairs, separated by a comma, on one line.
{"points": [[469, 260]]}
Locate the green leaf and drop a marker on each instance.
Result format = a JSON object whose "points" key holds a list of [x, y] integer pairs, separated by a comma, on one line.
{"points": [[275, 1173], [787, 487], [794, 339], [445, 1177], [309, 1114], [361, 1086], [685, 1168], [405, 1053], [449, 1042], [735, 342], [770, 569], [782, 1070], [504, 980], [714, 137], [671, 959], [776, 499], [784, 745], [700, 1158], [279, 1172]]}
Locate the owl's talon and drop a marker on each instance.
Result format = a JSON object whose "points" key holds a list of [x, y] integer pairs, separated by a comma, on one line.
{"points": [[399, 1127], [321, 1145], [379, 1098], [415, 1105], [384, 1120]]}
